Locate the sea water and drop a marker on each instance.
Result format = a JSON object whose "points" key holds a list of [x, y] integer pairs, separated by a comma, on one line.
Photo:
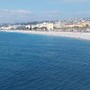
{"points": [[40, 62]]}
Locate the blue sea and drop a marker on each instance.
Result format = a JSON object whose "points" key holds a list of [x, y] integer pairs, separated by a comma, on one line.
{"points": [[40, 62]]}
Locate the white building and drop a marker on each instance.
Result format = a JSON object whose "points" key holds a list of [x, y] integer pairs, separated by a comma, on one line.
{"points": [[8, 28], [28, 26], [58, 25], [48, 26]]}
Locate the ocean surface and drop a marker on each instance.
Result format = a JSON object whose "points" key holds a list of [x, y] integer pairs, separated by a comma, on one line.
{"points": [[39, 62]]}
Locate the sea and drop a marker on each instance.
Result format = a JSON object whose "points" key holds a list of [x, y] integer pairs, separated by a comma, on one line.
{"points": [[42, 62]]}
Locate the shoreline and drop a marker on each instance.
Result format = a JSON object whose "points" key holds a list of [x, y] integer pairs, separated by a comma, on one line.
{"points": [[77, 35]]}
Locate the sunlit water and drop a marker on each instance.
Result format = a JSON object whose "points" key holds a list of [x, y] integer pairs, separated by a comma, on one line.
{"points": [[38, 62]]}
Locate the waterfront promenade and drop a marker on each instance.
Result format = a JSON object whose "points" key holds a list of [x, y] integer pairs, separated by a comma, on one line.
{"points": [[78, 35]]}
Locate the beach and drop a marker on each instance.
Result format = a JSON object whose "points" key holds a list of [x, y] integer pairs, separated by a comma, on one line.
{"points": [[78, 35]]}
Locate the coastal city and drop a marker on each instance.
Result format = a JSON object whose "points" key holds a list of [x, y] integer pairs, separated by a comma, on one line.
{"points": [[44, 44], [68, 25]]}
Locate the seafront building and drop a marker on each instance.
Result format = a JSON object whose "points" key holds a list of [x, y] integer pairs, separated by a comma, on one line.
{"points": [[8, 28], [64, 25], [58, 25], [44, 26]]}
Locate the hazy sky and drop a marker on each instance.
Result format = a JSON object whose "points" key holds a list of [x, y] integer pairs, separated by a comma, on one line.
{"points": [[34, 10]]}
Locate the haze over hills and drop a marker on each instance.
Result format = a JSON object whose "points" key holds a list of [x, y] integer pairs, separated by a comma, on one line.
{"points": [[14, 11]]}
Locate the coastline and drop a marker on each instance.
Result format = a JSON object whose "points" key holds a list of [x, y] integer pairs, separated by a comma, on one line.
{"points": [[77, 35]]}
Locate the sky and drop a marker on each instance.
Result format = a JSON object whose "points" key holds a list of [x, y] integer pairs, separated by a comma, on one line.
{"points": [[38, 10]]}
